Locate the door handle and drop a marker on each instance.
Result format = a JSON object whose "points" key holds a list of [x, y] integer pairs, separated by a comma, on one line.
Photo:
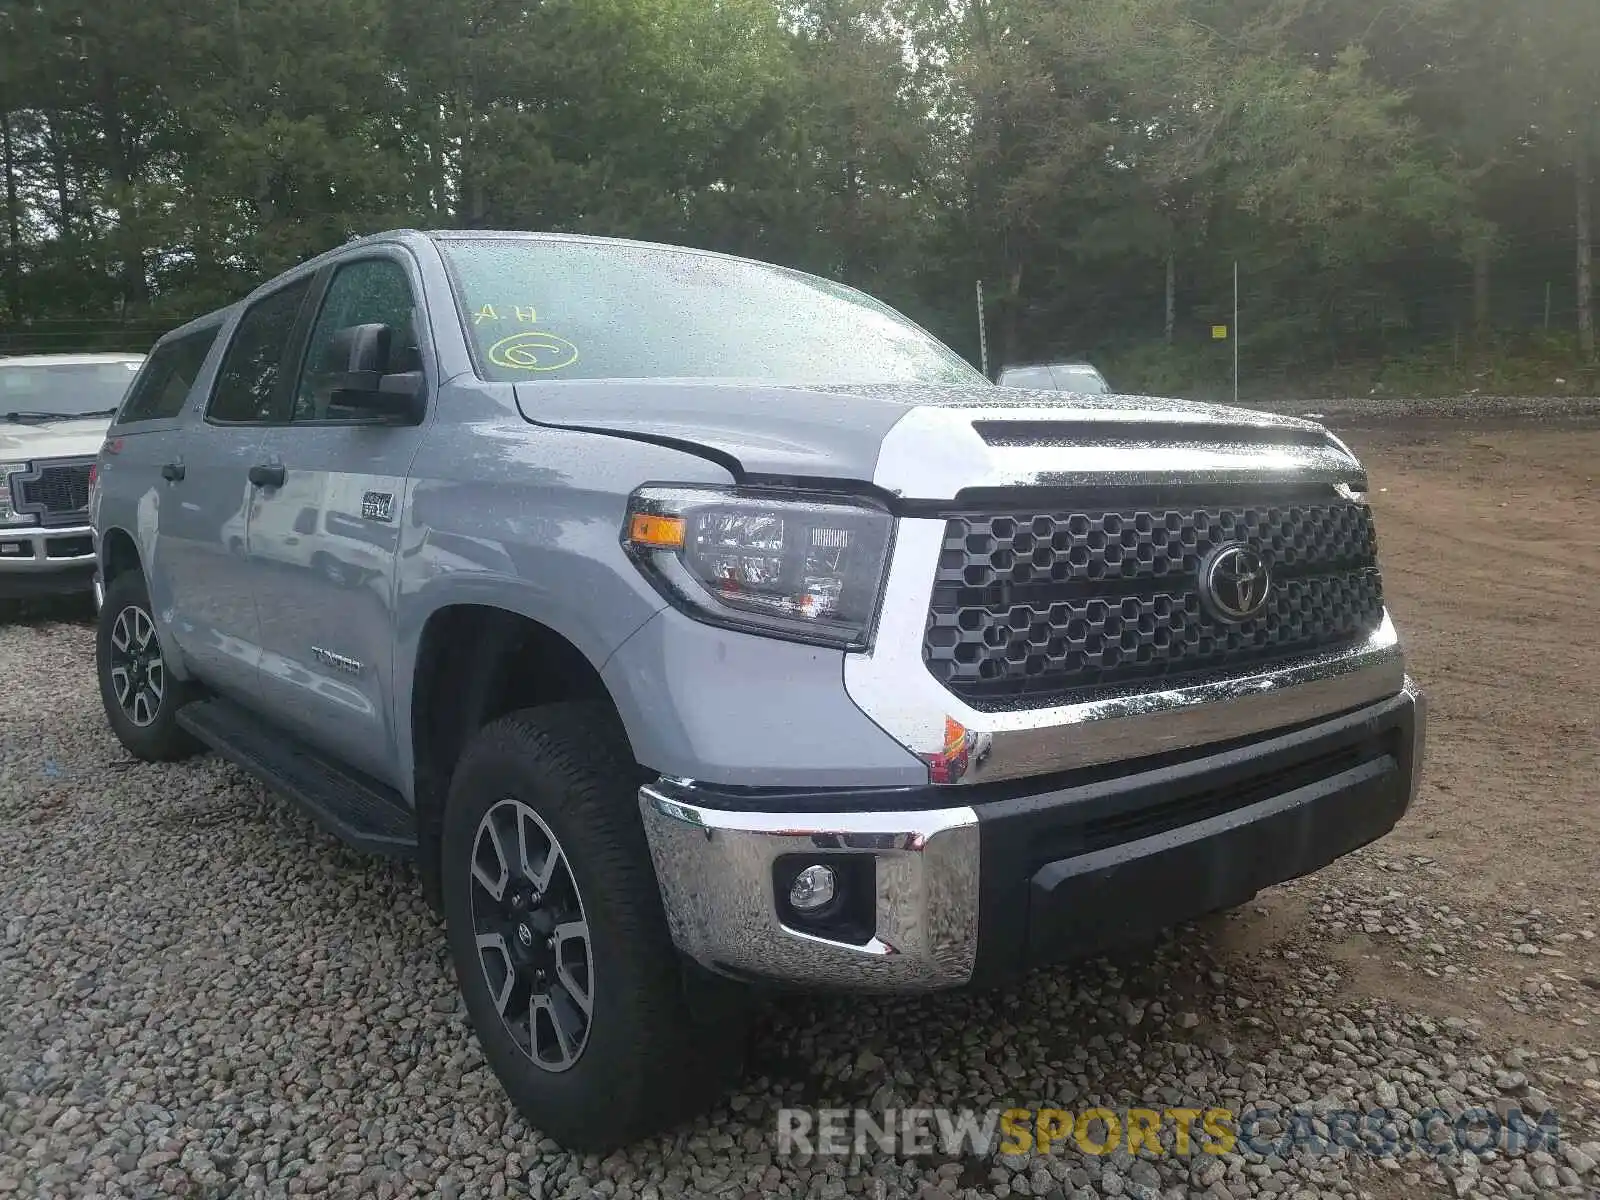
{"points": [[264, 475], [172, 472]]}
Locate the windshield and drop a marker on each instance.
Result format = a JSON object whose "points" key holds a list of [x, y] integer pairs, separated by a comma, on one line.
{"points": [[1057, 377], [539, 309], [44, 390]]}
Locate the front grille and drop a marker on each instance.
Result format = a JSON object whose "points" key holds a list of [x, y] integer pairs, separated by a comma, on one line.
{"points": [[59, 490], [1044, 607]]}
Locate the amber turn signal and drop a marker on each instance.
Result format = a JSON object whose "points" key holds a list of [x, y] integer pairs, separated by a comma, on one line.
{"points": [[664, 533]]}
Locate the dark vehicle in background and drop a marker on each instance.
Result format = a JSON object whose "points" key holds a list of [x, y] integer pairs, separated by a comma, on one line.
{"points": [[54, 413], [1078, 377]]}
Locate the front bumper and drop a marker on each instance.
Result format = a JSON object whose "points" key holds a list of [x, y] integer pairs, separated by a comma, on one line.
{"points": [[1027, 871], [46, 562]]}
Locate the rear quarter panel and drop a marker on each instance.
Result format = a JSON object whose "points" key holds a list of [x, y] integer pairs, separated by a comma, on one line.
{"points": [[131, 491]]}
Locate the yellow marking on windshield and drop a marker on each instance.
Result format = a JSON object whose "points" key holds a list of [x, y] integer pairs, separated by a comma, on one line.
{"points": [[533, 350], [523, 314]]}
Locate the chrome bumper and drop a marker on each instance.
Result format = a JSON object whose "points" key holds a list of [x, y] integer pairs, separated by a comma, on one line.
{"points": [[716, 873], [31, 557], [718, 878], [36, 545]]}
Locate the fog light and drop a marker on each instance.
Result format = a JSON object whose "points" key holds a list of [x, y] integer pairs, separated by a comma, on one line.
{"points": [[812, 889]]}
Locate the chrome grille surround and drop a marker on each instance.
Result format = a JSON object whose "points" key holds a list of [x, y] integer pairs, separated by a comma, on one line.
{"points": [[936, 462]]}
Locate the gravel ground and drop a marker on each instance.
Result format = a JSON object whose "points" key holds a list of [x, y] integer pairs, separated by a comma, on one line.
{"points": [[203, 995]]}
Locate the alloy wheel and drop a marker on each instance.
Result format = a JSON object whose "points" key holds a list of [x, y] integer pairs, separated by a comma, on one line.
{"points": [[532, 935], [138, 674]]}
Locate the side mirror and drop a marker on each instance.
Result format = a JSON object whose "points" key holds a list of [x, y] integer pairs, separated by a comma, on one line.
{"points": [[360, 349], [358, 359]]}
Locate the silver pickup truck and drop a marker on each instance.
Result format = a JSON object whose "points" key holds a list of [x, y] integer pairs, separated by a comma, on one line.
{"points": [[694, 623]]}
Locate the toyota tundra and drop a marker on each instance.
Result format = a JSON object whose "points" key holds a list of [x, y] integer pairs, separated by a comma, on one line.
{"points": [[696, 624]]}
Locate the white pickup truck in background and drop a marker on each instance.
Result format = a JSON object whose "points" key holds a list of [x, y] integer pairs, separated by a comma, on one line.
{"points": [[54, 413]]}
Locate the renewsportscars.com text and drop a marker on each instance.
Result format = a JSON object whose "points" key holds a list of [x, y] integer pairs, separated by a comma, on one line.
{"points": [[1377, 1132]]}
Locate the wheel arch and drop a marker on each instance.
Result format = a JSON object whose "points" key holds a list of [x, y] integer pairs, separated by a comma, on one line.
{"points": [[119, 553], [476, 662]]}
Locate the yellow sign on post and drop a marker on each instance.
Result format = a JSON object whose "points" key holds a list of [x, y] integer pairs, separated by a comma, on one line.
{"points": [[1219, 333]]}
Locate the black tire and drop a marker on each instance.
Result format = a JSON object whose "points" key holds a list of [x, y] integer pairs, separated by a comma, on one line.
{"points": [[649, 1059], [147, 730]]}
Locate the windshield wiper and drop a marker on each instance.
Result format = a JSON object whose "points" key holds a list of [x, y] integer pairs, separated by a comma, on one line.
{"points": [[23, 418]]}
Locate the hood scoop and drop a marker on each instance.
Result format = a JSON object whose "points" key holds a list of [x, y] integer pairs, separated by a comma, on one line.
{"points": [[939, 454], [1079, 433]]}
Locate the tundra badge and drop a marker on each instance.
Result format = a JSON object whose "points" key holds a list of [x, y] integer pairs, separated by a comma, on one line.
{"points": [[338, 662]]}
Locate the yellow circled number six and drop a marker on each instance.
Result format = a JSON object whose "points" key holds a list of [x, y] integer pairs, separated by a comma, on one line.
{"points": [[533, 350]]}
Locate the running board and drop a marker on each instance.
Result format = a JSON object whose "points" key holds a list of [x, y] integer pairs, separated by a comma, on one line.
{"points": [[361, 812]]}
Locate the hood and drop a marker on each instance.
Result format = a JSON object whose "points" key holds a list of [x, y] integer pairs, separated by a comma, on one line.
{"points": [[837, 431], [78, 437]]}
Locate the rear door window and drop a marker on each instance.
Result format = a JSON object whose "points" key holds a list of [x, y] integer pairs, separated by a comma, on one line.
{"points": [[1028, 377], [1056, 377], [169, 373], [249, 383], [1085, 380]]}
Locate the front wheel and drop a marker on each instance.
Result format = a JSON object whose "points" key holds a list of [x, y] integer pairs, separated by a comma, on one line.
{"points": [[558, 937], [141, 698]]}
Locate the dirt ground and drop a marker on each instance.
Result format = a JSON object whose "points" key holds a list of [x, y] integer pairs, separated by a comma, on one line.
{"points": [[1491, 546], [1483, 902]]}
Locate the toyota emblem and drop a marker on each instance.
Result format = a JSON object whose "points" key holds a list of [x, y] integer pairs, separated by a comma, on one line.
{"points": [[1234, 583]]}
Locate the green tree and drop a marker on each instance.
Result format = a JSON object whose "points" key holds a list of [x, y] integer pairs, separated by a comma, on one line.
{"points": [[1555, 74], [1125, 136], [1100, 165]]}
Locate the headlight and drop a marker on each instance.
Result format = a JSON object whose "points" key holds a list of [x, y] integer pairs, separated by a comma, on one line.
{"points": [[9, 514], [797, 565]]}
